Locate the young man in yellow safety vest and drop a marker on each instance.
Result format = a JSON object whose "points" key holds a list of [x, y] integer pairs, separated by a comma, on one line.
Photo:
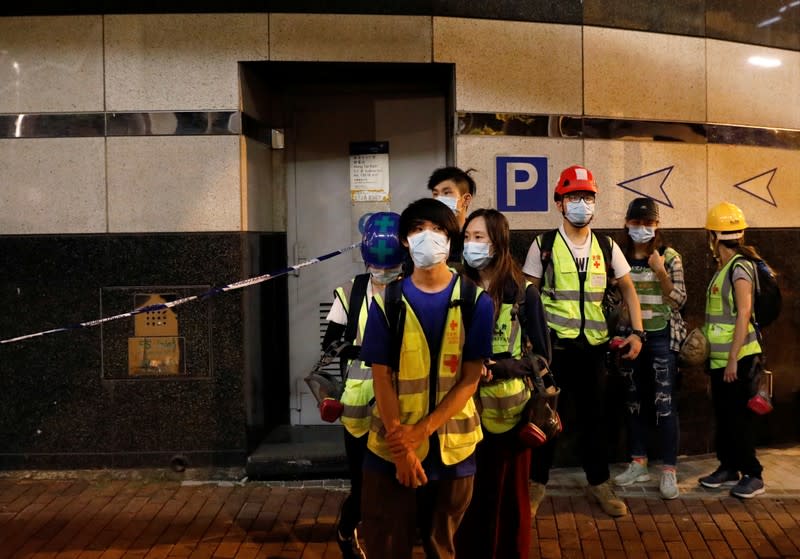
{"points": [[572, 274], [383, 255], [426, 339]]}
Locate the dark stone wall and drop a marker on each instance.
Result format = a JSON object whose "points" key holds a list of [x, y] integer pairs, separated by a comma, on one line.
{"points": [[65, 398], [696, 415]]}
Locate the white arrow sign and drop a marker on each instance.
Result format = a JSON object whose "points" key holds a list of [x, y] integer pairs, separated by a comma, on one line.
{"points": [[758, 186], [650, 185]]}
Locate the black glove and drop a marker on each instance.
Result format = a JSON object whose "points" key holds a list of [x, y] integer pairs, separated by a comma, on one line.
{"points": [[507, 368]]}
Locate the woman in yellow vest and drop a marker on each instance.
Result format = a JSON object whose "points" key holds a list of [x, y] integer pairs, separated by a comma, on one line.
{"points": [[383, 256], [497, 522], [734, 352], [657, 274]]}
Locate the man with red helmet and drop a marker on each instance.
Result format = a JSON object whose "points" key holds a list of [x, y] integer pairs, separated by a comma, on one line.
{"points": [[572, 267]]}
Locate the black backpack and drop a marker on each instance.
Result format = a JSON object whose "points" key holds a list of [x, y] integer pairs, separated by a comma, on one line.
{"points": [[768, 300], [396, 312]]}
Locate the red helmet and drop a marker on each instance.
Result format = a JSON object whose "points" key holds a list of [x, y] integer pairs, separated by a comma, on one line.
{"points": [[574, 179]]}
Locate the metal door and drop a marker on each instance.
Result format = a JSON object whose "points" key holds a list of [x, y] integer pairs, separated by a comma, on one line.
{"points": [[321, 216]]}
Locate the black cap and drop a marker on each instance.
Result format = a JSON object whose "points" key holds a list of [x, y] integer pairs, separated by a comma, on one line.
{"points": [[642, 208]]}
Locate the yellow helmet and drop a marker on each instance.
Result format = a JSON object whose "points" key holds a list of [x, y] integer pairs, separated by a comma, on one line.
{"points": [[726, 218]]}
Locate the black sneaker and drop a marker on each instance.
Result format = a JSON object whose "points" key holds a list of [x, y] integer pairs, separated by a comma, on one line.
{"points": [[350, 547], [748, 487], [719, 477]]}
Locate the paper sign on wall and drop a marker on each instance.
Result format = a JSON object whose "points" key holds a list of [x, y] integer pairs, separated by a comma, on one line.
{"points": [[369, 171]]}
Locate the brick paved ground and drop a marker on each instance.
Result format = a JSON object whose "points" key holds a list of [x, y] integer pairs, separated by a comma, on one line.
{"points": [[89, 517]]}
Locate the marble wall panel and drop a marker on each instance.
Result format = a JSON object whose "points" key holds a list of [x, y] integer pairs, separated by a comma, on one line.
{"points": [[647, 168], [51, 64], [766, 22], [632, 74], [170, 184], [179, 61], [480, 152], [52, 186], [680, 17], [753, 85], [509, 66], [762, 182], [352, 38]]}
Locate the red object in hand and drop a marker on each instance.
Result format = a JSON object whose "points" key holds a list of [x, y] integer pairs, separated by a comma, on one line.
{"points": [[330, 409], [760, 404], [531, 436], [617, 343]]}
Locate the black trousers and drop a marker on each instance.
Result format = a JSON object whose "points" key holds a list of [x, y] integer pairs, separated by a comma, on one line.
{"points": [[735, 434], [580, 371], [350, 515]]}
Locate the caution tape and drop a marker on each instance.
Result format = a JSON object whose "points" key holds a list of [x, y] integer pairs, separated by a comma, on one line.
{"points": [[172, 304]]}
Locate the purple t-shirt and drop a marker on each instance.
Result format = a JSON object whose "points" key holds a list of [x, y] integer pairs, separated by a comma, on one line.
{"points": [[431, 310]]}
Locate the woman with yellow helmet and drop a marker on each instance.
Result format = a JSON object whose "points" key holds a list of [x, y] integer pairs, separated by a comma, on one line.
{"points": [[735, 352]]}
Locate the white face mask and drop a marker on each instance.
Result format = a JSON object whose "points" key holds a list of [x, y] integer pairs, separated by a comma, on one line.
{"points": [[641, 234], [579, 213], [478, 255], [428, 248], [450, 202], [385, 276]]}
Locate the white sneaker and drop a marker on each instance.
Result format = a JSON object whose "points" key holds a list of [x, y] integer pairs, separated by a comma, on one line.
{"points": [[636, 472], [669, 485]]}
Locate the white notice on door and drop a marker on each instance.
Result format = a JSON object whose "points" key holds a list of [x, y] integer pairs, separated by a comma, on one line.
{"points": [[369, 171]]}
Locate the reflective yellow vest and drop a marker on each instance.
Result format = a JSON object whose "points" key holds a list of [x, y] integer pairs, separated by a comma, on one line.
{"points": [[461, 433], [503, 401], [564, 308], [656, 311], [721, 316], [358, 391]]}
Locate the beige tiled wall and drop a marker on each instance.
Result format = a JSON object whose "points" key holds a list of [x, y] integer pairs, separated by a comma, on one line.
{"points": [[52, 186], [742, 93], [179, 62], [171, 184], [614, 162], [480, 153], [507, 66], [354, 38], [51, 64], [632, 74], [765, 176]]}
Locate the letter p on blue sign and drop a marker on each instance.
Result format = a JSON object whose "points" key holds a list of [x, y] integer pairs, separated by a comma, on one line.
{"points": [[521, 184]]}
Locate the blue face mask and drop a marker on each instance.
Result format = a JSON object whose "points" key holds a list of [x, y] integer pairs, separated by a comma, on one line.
{"points": [[641, 234], [450, 202], [428, 248], [385, 276], [477, 255], [579, 213]]}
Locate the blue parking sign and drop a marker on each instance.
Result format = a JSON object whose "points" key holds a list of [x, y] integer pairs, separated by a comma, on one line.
{"points": [[521, 184]]}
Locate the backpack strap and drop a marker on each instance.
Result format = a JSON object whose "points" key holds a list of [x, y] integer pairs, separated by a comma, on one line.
{"points": [[607, 247], [546, 241], [395, 309], [357, 296], [756, 290], [466, 301]]}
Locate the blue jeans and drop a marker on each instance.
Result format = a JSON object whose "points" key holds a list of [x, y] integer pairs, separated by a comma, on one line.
{"points": [[650, 384]]}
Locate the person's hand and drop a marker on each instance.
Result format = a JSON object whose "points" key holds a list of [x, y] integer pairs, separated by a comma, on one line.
{"points": [[656, 263], [486, 372], [634, 344], [406, 438], [730, 371], [410, 472]]}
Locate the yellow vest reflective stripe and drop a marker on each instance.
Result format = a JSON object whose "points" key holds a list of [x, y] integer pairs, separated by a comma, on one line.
{"points": [[721, 317], [655, 310], [563, 307], [358, 390], [502, 401], [461, 433]]}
